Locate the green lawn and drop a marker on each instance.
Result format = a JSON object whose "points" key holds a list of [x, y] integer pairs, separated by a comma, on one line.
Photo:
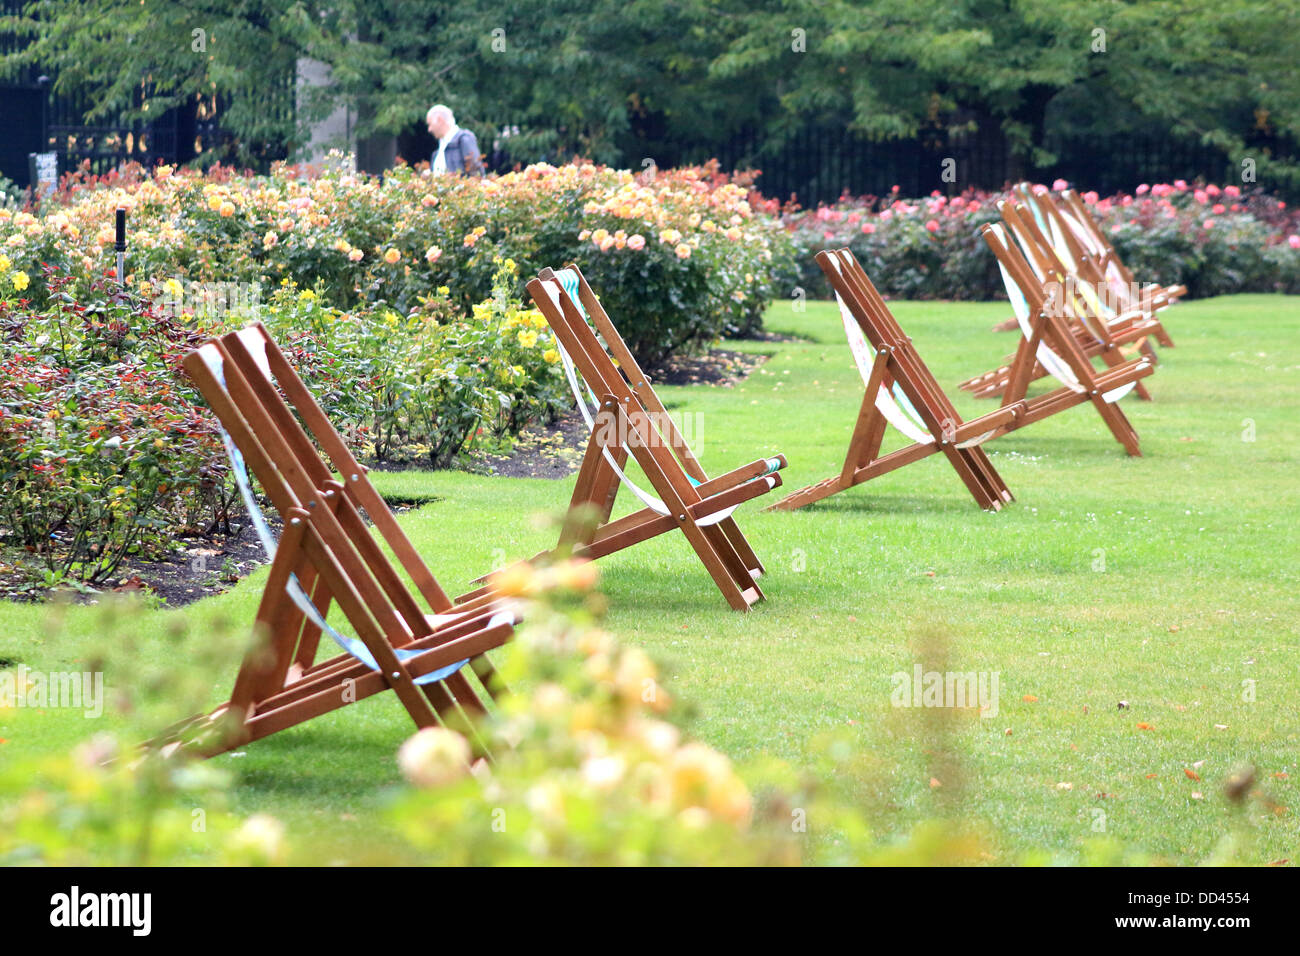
{"points": [[1168, 582]]}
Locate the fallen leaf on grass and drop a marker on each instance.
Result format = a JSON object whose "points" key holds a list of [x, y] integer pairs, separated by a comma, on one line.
{"points": [[1030, 699], [1145, 726], [1191, 774]]}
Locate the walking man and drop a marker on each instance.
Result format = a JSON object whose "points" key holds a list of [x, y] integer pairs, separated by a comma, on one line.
{"points": [[457, 148]]}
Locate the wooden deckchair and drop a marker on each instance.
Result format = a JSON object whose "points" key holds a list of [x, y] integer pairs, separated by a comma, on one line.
{"points": [[1128, 312], [902, 392], [325, 555], [1099, 330], [895, 375], [626, 417], [1152, 296], [1049, 342]]}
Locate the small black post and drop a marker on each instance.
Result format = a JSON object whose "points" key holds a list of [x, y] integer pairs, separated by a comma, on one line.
{"points": [[120, 246]]}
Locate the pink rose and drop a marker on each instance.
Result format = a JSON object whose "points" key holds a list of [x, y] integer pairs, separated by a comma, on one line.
{"points": [[1293, 242], [1090, 198], [1232, 192], [1218, 209], [1060, 185], [932, 225], [636, 242], [869, 227], [1143, 189], [1201, 196]]}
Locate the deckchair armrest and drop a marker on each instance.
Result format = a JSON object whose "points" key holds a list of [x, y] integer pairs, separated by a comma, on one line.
{"points": [[1131, 316], [1123, 374], [740, 475], [994, 419], [734, 496]]}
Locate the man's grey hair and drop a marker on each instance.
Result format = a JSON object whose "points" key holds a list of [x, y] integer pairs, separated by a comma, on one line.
{"points": [[440, 110]]}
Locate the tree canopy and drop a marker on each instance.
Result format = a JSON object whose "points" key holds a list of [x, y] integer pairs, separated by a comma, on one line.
{"points": [[618, 80]]}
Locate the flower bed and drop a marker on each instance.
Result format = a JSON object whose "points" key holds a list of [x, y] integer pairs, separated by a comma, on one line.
{"points": [[398, 300], [679, 256], [1215, 240]]}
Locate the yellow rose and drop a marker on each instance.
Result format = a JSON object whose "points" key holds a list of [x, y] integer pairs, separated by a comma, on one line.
{"points": [[551, 356], [4, 263], [19, 280], [392, 256], [434, 756]]}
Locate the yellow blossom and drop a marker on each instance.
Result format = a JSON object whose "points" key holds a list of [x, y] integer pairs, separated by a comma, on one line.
{"points": [[19, 280]]}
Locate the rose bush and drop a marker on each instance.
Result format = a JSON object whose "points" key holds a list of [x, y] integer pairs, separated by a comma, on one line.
{"points": [[1214, 240], [679, 256]]}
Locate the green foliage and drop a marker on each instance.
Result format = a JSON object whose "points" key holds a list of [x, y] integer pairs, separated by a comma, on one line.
{"points": [[621, 81], [104, 451]]}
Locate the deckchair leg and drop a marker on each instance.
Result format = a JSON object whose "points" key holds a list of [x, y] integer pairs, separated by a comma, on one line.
{"points": [[742, 548], [596, 488], [717, 568], [980, 460], [1119, 425], [267, 661], [309, 642], [737, 568]]}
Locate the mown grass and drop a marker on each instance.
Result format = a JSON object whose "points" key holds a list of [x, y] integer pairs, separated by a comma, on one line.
{"points": [[1167, 582]]}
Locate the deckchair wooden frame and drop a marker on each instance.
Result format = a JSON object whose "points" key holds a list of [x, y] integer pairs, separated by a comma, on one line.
{"points": [[1133, 313], [335, 559], [632, 420], [1155, 296], [898, 361], [1113, 341], [1049, 327]]}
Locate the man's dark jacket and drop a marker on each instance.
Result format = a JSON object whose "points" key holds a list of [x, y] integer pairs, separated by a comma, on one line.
{"points": [[462, 154]]}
